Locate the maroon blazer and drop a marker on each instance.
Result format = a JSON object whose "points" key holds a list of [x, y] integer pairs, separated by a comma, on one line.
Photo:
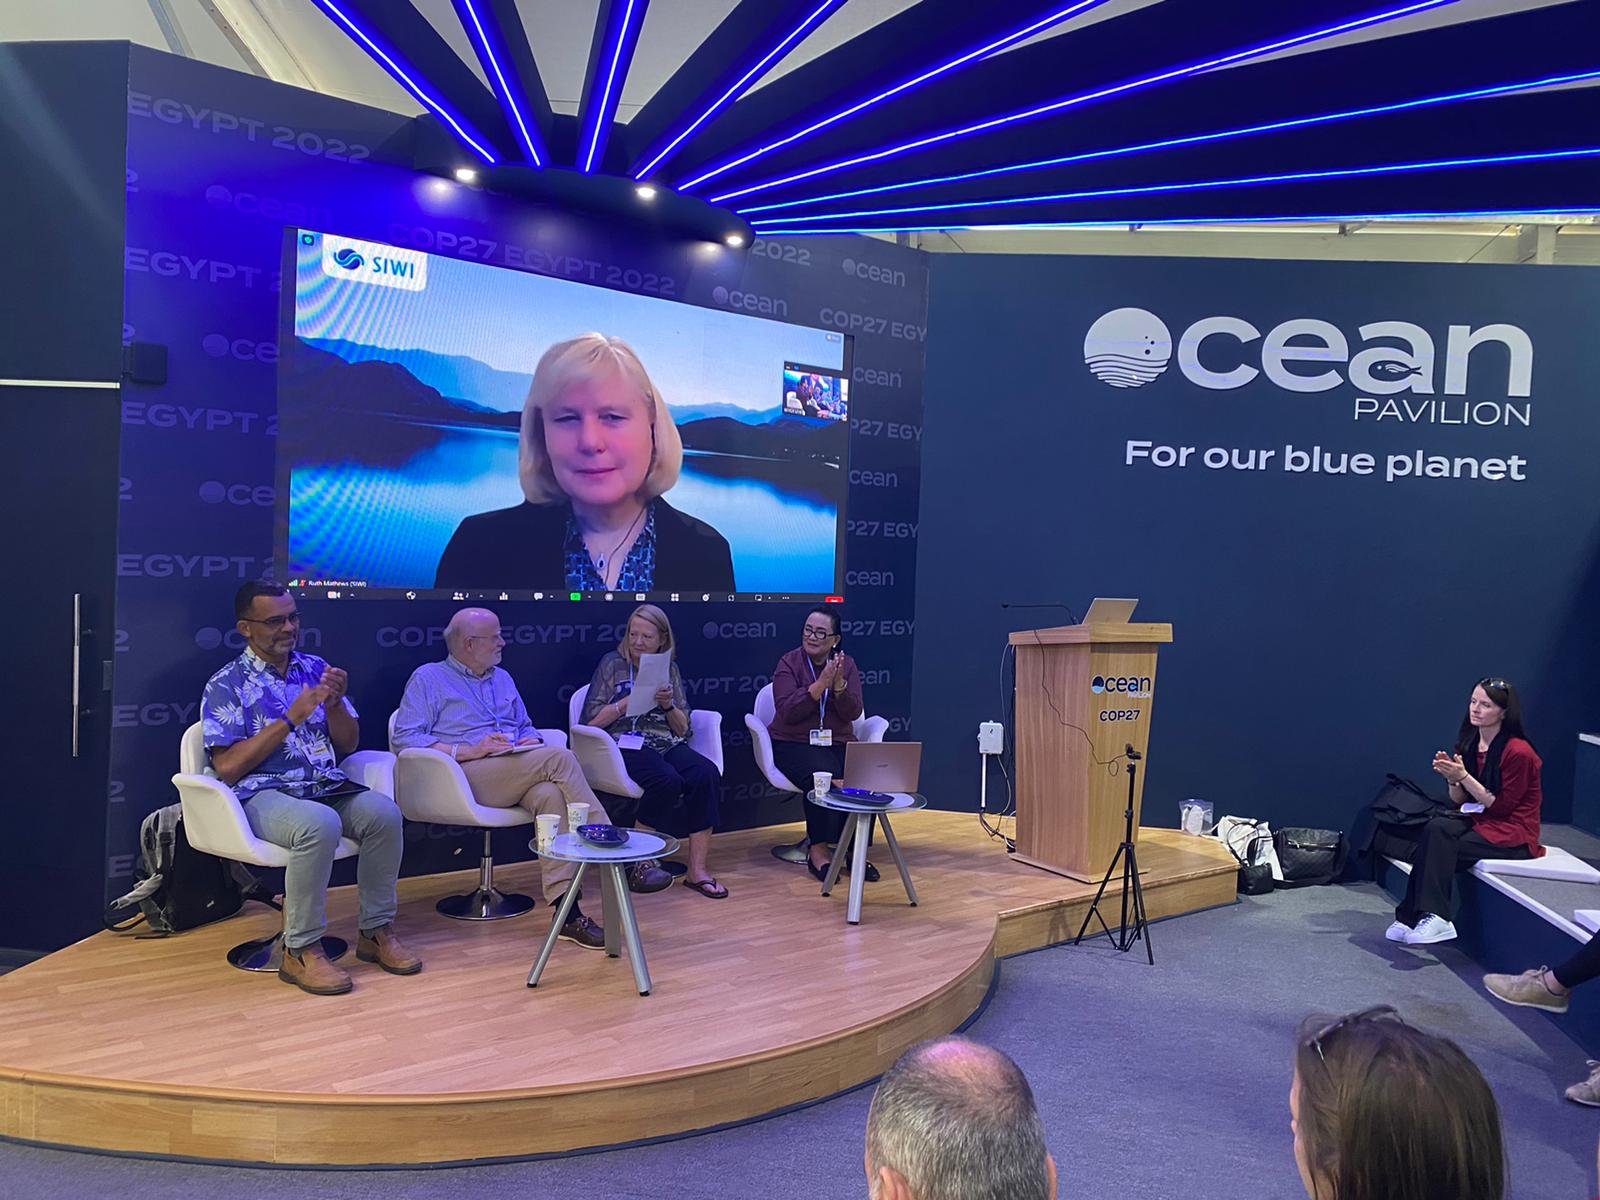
{"points": [[797, 712]]}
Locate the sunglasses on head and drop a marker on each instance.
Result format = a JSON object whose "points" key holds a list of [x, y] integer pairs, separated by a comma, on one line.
{"points": [[1381, 1012]]}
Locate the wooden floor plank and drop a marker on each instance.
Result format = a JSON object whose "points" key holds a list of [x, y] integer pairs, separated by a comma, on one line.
{"points": [[762, 1000]]}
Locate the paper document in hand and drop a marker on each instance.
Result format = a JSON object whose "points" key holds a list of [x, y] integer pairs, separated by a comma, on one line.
{"points": [[655, 671]]}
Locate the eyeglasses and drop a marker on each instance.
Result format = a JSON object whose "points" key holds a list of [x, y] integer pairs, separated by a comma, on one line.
{"points": [[275, 622], [1493, 683], [816, 635], [1381, 1012], [485, 637]]}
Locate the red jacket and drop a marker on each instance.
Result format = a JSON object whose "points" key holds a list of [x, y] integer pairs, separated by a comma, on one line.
{"points": [[1513, 819]]}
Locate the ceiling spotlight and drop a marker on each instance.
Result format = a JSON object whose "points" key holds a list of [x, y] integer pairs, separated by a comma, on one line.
{"points": [[645, 192], [466, 175], [735, 240]]}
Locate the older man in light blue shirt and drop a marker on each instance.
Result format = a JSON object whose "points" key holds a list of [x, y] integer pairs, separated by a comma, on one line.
{"points": [[468, 708]]}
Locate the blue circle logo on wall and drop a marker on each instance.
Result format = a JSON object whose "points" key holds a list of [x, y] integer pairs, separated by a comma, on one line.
{"points": [[1097, 684], [348, 259], [1127, 348]]}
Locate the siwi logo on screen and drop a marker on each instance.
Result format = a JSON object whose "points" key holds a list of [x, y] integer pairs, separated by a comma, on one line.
{"points": [[1132, 347]]}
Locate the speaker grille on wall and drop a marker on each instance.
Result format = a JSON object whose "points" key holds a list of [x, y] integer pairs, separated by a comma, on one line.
{"points": [[144, 362]]}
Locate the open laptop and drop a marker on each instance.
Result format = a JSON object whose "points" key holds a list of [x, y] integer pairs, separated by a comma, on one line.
{"points": [[1106, 610], [882, 766]]}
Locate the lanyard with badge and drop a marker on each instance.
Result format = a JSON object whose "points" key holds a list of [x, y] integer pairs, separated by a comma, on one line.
{"points": [[635, 739], [821, 735]]}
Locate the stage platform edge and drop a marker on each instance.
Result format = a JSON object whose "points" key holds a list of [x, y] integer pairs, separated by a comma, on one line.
{"points": [[763, 1001]]}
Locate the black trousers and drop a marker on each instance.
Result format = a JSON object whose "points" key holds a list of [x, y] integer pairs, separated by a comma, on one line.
{"points": [[1436, 851], [1581, 967], [681, 789], [798, 761]]}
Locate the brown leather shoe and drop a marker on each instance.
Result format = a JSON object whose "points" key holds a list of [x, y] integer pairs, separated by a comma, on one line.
{"points": [[647, 876], [310, 971], [389, 952]]}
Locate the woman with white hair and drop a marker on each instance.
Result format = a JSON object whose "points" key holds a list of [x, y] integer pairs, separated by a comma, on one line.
{"points": [[598, 450]]}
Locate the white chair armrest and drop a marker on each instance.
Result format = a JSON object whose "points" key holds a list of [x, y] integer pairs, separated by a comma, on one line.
{"points": [[705, 734], [761, 746], [431, 786], [214, 822], [375, 768], [554, 737], [601, 761], [871, 729]]}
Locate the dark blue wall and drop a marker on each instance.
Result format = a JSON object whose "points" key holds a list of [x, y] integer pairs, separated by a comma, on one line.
{"points": [[219, 163], [1328, 629]]}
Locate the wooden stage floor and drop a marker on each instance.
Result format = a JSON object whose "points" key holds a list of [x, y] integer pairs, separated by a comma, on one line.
{"points": [[762, 1001]]}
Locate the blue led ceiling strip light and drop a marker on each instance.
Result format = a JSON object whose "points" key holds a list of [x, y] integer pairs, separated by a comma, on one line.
{"points": [[1195, 139], [479, 36], [992, 47], [745, 80], [390, 61], [1200, 185], [738, 88], [1497, 214], [1085, 97], [604, 110]]}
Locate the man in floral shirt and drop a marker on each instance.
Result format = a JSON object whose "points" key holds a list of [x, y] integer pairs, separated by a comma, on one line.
{"points": [[276, 723]]}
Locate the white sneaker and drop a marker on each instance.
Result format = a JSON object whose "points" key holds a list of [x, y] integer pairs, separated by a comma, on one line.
{"points": [[1429, 930], [1397, 932]]}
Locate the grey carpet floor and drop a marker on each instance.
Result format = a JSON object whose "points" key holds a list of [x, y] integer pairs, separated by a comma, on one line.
{"points": [[1164, 1082]]}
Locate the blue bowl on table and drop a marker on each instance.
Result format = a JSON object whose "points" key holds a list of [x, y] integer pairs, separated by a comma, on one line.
{"points": [[606, 837]]}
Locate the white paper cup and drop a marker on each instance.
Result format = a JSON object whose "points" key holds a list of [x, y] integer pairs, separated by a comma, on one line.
{"points": [[549, 824], [821, 782], [577, 814]]}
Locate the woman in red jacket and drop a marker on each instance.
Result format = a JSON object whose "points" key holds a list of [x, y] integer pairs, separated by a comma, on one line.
{"points": [[1494, 782]]}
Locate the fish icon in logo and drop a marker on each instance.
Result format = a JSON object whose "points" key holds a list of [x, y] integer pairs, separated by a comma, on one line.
{"points": [[348, 259], [1127, 347], [1391, 371]]}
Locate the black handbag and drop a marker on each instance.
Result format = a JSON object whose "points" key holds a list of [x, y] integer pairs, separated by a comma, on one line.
{"points": [[1255, 880], [1310, 856], [1255, 868]]}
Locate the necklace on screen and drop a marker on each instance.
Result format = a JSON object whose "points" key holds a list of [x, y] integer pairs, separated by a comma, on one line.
{"points": [[601, 562]]}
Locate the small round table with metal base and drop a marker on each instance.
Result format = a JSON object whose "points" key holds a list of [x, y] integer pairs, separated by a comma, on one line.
{"points": [[616, 902], [266, 954], [857, 832]]}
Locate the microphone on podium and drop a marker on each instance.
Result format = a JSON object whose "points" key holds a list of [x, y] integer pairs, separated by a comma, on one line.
{"points": [[1046, 604]]}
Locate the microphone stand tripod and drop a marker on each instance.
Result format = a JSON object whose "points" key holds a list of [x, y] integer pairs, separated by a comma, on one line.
{"points": [[1132, 893]]}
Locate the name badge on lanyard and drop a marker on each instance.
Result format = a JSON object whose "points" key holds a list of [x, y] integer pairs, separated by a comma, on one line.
{"points": [[821, 735], [634, 740]]}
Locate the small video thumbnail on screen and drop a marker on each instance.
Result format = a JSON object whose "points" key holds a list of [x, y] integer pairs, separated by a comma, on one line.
{"points": [[815, 392]]}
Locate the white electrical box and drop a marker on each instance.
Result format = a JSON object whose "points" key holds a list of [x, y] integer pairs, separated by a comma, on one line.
{"points": [[991, 737]]}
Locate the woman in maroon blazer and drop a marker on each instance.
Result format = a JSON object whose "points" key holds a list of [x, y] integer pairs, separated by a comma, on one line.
{"points": [[816, 687], [1494, 783]]}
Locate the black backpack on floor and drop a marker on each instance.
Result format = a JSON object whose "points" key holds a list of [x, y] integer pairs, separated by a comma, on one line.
{"points": [[179, 887]]}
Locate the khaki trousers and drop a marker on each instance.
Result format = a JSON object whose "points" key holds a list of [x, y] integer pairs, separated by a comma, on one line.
{"points": [[543, 780]]}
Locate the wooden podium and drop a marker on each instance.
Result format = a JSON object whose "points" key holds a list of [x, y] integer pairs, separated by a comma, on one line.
{"points": [[1071, 790]]}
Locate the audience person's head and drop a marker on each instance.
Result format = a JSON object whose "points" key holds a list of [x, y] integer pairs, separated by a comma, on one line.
{"points": [[1493, 707], [953, 1120], [1382, 1111]]}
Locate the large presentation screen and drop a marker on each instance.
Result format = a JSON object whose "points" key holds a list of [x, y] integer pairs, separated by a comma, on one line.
{"points": [[402, 383]]}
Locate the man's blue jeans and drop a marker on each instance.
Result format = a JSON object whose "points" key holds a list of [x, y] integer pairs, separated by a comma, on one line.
{"points": [[310, 830]]}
